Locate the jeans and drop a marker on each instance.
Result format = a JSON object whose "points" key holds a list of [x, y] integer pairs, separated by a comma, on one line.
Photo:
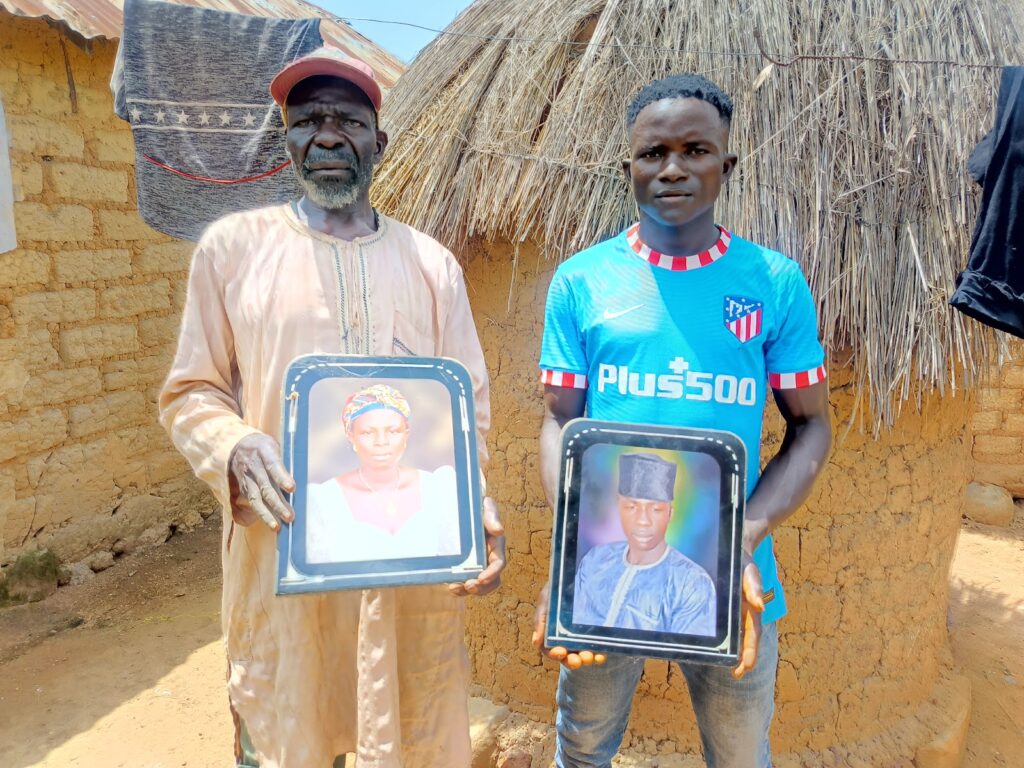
{"points": [[733, 715]]}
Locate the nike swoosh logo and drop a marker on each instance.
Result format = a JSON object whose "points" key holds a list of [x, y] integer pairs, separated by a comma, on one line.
{"points": [[612, 315]]}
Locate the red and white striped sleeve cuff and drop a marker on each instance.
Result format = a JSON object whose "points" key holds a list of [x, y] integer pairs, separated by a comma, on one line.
{"points": [[796, 380], [561, 379]]}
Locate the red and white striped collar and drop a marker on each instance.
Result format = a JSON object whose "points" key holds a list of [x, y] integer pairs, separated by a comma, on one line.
{"points": [[678, 263]]}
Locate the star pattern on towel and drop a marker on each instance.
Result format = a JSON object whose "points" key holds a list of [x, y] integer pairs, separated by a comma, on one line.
{"points": [[136, 114], [159, 116], [182, 118], [204, 118]]}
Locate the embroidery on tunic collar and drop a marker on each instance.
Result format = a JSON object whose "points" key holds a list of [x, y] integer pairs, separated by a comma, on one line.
{"points": [[297, 221]]}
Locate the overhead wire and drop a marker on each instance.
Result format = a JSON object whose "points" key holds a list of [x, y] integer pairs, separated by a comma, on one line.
{"points": [[775, 58]]}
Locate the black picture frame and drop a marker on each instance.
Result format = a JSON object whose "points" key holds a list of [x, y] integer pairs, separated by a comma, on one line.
{"points": [[446, 389], [697, 447]]}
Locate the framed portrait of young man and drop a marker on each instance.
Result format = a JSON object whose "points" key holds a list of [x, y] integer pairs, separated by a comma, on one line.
{"points": [[387, 479], [646, 546]]}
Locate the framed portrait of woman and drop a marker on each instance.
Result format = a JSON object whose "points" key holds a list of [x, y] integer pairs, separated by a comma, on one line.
{"points": [[387, 480], [646, 547]]}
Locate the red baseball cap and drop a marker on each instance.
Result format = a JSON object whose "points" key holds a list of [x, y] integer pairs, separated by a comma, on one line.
{"points": [[326, 61]]}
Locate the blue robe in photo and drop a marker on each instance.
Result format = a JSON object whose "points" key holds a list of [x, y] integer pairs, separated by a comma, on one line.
{"points": [[673, 594]]}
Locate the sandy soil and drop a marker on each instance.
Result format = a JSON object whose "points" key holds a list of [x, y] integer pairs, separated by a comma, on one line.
{"points": [[138, 683], [127, 669], [987, 632]]}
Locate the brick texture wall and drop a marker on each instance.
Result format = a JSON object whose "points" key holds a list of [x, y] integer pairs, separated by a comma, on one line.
{"points": [[89, 307], [998, 427]]}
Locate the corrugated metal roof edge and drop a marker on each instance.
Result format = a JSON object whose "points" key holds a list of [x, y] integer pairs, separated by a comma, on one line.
{"points": [[107, 18]]}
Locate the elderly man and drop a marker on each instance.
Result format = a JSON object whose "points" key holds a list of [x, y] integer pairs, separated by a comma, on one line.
{"points": [[382, 673], [643, 582]]}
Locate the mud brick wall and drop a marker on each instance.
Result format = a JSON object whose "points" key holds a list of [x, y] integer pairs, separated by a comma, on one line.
{"points": [[998, 427], [864, 649], [89, 308]]}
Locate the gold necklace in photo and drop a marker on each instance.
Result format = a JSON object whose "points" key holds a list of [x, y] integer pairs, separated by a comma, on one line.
{"points": [[390, 508]]}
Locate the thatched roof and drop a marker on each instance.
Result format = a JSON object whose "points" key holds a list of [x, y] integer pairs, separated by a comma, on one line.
{"points": [[512, 126]]}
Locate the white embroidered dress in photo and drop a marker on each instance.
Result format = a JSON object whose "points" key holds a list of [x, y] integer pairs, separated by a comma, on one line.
{"points": [[334, 535]]}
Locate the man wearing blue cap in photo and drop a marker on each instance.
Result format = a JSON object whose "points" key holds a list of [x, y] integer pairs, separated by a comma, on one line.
{"points": [[642, 582]]}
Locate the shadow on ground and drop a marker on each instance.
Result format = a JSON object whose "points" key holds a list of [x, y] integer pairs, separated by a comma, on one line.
{"points": [[69, 663], [986, 609]]}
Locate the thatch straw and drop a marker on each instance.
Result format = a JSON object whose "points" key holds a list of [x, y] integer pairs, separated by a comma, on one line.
{"points": [[856, 169]]}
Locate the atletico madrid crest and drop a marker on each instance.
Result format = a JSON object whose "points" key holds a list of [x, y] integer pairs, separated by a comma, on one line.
{"points": [[743, 317]]}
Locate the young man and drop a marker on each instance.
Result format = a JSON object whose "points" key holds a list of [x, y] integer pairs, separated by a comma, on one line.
{"points": [[380, 672], [677, 294], [643, 582]]}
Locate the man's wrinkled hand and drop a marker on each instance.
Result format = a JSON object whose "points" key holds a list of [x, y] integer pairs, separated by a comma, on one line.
{"points": [[257, 478], [490, 577], [750, 617], [565, 657]]}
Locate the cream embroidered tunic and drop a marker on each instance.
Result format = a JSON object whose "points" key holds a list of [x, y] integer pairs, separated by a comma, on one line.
{"points": [[382, 673]]}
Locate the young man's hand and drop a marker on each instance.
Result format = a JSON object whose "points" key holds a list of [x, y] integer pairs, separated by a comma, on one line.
{"points": [[750, 617], [565, 657], [490, 577], [257, 477]]}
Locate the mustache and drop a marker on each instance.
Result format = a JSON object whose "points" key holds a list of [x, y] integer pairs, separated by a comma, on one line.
{"points": [[337, 154], [337, 192]]}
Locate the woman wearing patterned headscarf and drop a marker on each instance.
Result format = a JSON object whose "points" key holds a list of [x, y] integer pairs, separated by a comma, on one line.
{"points": [[381, 510]]}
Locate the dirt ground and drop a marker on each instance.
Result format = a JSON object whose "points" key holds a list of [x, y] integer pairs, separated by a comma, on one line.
{"points": [[127, 669], [138, 682], [987, 632]]}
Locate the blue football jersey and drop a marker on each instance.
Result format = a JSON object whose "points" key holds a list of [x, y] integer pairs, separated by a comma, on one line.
{"points": [[689, 341]]}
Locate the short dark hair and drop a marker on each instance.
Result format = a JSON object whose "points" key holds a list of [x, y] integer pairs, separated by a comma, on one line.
{"points": [[685, 86]]}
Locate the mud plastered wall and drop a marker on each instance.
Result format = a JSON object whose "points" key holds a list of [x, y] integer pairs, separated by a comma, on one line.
{"points": [[864, 648], [89, 309], [998, 427]]}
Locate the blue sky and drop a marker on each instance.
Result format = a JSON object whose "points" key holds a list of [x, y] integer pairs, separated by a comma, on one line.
{"points": [[404, 42]]}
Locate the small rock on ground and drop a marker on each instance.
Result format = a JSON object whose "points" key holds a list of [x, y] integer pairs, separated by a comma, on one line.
{"points": [[191, 520], [80, 573], [154, 536], [515, 758], [100, 561], [123, 547], [989, 504]]}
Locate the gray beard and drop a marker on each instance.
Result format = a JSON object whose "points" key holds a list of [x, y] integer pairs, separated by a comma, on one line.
{"points": [[333, 194]]}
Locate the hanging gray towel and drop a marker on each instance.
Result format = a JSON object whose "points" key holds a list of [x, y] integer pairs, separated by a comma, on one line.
{"points": [[193, 85]]}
